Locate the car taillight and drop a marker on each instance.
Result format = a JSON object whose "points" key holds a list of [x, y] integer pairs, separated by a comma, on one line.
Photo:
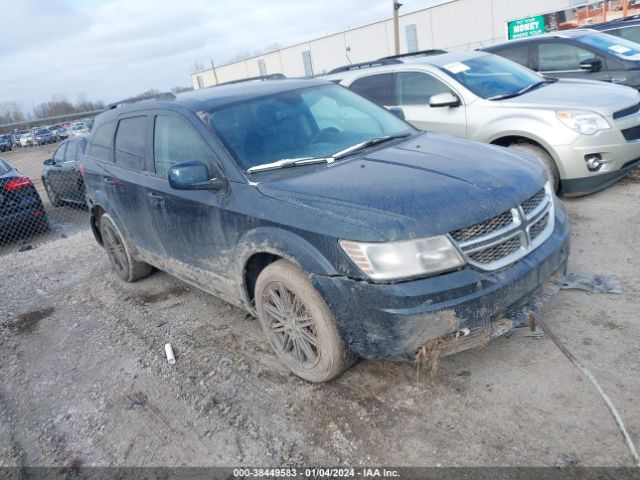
{"points": [[17, 184], [82, 169]]}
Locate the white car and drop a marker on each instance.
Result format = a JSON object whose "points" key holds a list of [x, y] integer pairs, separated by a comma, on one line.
{"points": [[584, 132]]}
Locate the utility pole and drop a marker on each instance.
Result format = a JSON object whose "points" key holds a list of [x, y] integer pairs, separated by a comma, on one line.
{"points": [[213, 68], [396, 26]]}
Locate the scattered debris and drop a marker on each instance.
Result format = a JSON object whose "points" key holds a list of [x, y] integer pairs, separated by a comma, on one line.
{"points": [[170, 356], [590, 283]]}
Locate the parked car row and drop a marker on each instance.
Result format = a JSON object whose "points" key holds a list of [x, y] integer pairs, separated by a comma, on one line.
{"points": [[45, 135]]}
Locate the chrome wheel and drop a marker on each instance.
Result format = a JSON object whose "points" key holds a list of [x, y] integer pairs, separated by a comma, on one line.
{"points": [[290, 326]]}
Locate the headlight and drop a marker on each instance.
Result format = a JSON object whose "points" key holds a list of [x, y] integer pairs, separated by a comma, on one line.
{"points": [[587, 123], [400, 260]]}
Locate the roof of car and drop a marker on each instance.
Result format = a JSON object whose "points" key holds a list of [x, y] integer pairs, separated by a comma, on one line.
{"points": [[618, 22], [576, 33], [217, 96]]}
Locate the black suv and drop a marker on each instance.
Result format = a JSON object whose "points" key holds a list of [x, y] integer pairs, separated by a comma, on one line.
{"points": [[627, 28], [581, 53], [342, 228]]}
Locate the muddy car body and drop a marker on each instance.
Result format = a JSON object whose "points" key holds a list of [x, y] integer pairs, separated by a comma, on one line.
{"points": [[399, 238]]}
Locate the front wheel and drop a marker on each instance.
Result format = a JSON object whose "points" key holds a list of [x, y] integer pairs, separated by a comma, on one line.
{"points": [[124, 264], [299, 325], [544, 158], [53, 196]]}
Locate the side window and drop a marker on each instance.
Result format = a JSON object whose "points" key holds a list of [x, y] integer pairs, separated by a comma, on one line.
{"points": [[519, 55], [175, 141], [72, 152], [101, 142], [556, 57], [377, 88], [130, 142], [58, 157], [630, 33], [416, 88]]}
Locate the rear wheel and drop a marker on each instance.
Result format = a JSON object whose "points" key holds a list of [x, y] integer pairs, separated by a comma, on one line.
{"points": [[299, 325], [117, 250], [544, 158]]}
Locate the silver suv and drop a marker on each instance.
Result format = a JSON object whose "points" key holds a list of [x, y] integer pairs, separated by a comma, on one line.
{"points": [[586, 133]]}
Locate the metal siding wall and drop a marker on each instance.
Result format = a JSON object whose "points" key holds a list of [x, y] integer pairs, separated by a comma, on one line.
{"points": [[457, 25]]}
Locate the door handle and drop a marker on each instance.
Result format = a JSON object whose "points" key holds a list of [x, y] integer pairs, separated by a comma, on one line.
{"points": [[108, 181], [155, 197]]}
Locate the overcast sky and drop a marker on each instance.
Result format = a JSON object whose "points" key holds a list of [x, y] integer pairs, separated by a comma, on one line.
{"points": [[110, 49]]}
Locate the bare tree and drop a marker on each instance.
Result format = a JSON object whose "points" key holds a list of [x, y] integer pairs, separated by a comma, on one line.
{"points": [[11, 112], [181, 89]]}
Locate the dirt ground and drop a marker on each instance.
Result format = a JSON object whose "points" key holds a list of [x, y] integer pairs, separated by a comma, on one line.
{"points": [[84, 380]]}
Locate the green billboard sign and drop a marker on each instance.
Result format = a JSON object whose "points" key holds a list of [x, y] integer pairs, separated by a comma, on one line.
{"points": [[526, 27]]}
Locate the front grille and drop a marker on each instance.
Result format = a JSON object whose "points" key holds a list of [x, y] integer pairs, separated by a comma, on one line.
{"points": [[505, 238], [625, 112], [537, 228], [530, 205], [631, 134], [483, 228], [497, 252]]}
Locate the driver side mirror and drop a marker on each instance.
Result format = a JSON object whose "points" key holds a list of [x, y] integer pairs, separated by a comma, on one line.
{"points": [[444, 100], [49, 161], [194, 176], [591, 64]]}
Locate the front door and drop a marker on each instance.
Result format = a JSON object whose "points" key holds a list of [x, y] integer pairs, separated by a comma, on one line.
{"points": [[188, 222], [414, 90]]}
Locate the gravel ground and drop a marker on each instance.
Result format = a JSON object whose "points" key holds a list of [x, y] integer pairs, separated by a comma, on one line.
{"points": [[85, 381]]}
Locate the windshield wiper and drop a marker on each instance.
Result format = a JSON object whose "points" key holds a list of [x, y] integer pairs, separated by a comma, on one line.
{"points": [[526, 89], [296, 162]]}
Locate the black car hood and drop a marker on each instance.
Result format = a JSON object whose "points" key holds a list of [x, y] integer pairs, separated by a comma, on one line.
{"points": [[427, 185]]}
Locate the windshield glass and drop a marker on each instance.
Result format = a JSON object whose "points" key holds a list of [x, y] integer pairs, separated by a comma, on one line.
{"points": [[304, 123], [4, 168], [491, 76], [614, 45]]}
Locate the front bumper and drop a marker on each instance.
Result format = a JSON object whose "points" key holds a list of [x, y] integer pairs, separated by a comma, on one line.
{"points": [[619, 158], [393, 321]]}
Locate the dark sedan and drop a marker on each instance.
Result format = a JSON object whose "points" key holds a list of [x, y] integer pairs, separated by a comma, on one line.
{"points": [[61, 175], [21, 211]]}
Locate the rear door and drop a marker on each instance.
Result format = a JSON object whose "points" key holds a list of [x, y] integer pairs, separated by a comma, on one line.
{"points": [[128, 179], [189, 223]]}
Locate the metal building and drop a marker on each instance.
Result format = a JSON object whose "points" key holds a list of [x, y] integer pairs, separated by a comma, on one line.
{"points": [[451, 25]]}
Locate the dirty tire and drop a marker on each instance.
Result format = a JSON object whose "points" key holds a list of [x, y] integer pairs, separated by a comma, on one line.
{"points": [[299, 324], [118, 252], [53, 197], [542, 155]]}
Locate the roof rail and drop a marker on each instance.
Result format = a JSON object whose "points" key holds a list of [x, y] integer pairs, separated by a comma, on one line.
{"points": [[421, 53], [272, 76], [141, 98], [358, 66]]}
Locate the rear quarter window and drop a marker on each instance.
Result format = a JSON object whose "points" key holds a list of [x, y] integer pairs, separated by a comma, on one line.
{"points": [[130, 142], [377, 88], [101, 142], [517, 54]]}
